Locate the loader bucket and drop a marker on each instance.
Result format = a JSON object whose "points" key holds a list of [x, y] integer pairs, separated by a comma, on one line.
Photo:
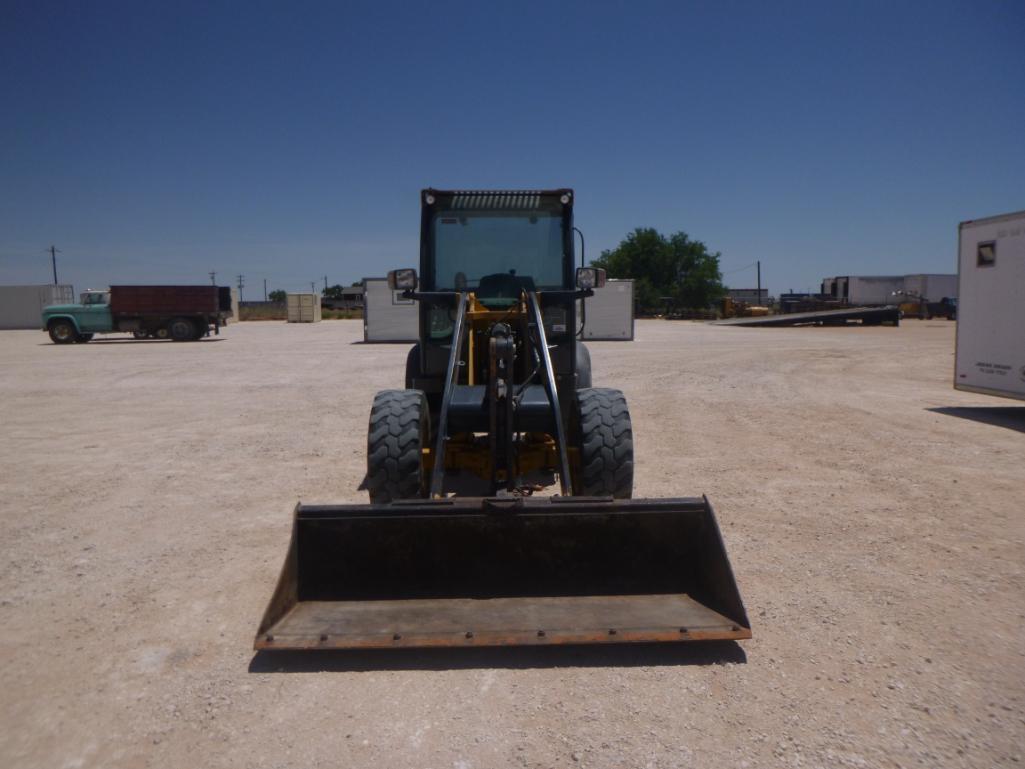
{"points": [[505, 571]]}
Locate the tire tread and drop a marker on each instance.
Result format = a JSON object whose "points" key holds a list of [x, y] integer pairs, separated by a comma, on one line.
{"points": [[605, 442]]}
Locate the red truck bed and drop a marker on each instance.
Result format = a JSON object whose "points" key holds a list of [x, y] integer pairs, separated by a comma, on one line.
{"points": [[167, 300]]}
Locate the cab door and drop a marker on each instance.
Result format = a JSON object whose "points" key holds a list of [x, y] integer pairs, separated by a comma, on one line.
{"points": [[95, 317]]}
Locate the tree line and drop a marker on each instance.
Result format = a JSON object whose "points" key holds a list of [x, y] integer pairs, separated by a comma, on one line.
{"points": [[673, 270]]}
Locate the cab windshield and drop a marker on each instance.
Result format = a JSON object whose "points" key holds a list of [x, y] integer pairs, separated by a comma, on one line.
{"points": [[496, 253]]}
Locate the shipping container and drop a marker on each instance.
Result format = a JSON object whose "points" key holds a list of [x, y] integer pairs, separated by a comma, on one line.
{"points": [[387, 316], [303, 308], [22, 306], [990, 347], [609, 314]]}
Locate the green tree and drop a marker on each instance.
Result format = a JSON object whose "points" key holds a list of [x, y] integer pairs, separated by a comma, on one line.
{"points": [[673, 267], [277, 296], [333, 292]]}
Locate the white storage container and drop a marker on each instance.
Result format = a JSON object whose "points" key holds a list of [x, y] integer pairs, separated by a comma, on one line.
{"points": [[990, 350], [234, 307], [22, 306], [609, 314], [387, 316], [303, 308]]}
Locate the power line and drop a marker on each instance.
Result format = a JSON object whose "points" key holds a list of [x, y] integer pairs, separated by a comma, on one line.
{"points": [[739, 269]]}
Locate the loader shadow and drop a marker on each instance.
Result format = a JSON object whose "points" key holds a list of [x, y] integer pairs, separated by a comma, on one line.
{"points": [[1011, 417], [509, 658]]}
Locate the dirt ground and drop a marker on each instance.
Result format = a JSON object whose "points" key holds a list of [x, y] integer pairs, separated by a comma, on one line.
{"points": [[873, 515]]}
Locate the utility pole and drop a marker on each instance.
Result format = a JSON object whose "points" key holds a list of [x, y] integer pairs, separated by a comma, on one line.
{"points": [[325, 284], [53, 257], [313, 286], [213, 278], [241, 285], [265, 289], [759, 263]]}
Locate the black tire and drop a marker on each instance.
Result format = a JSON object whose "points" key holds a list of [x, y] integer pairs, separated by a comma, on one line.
{"points": [[160, 333], [182, 330], [62, 332], [605, 440], [412, 365], [399, 429], [83, 338], [583, 366]]}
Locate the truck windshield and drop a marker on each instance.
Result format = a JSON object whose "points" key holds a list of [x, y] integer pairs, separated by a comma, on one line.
{"points": [[497, 252]]}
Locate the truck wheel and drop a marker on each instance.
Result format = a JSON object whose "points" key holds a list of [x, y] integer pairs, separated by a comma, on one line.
{"points": [[62, 332], [605, 441], [399, 430], [181, 330], [83, 338], [160, 333]]}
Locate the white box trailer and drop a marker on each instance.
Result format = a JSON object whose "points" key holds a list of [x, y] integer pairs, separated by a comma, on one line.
{"points": [[303, 308], [609, 314], [387, 316], [22, 306], [990, 347], [864, 290], [932, 287]]}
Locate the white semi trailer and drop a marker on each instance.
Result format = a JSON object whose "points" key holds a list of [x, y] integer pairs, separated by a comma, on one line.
{"points": [[990, 352]]}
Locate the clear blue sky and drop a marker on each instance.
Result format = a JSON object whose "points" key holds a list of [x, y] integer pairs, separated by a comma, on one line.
{"points": [[155, 142]]}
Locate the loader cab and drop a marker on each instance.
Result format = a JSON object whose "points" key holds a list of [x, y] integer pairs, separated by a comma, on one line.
{"points": [[495, 245]]}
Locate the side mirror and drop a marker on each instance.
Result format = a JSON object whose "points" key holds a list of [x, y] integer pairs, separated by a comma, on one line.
{"points": [[590, 277], [402, 280]]}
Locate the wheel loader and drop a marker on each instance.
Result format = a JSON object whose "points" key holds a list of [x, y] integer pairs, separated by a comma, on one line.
{"points": [[459, 545]]}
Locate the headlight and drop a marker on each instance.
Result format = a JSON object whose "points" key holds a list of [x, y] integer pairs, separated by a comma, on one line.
{"points": [[402, 280], [590, 277]]}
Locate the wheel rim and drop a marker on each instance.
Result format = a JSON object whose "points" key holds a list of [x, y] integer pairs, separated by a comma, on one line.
{"points": [[62, 331]]}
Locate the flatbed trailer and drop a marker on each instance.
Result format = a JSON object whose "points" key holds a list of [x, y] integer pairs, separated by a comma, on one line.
{"points": [[869, 316]]}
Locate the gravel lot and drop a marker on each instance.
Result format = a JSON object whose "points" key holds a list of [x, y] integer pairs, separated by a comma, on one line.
{"points": [[873, 515]]}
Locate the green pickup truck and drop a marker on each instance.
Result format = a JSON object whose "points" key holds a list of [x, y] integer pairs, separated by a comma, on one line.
{"points": [[180, 313]]}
